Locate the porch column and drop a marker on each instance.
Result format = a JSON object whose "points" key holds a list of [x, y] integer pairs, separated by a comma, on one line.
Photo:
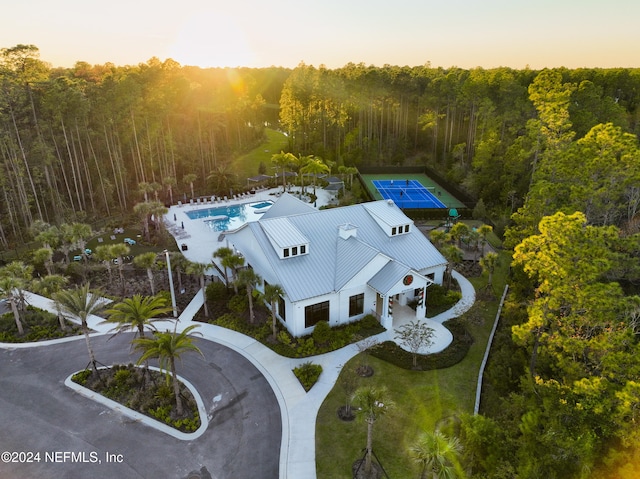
{"points": [[421, 309], [387, 313]]}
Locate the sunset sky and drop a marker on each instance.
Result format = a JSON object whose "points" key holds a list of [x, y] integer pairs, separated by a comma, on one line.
{"points": [[463, 33]]}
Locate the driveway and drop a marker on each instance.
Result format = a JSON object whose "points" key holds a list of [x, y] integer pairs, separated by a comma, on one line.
{"points": [[76, 436]]}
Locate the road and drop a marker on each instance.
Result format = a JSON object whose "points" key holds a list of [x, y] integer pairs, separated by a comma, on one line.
{"points": [[75, 436]]}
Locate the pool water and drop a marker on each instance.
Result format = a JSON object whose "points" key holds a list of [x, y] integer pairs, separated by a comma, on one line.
{"points": [[225, 218]]}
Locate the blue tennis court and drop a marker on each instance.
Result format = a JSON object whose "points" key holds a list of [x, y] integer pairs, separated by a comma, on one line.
{"points": [[408, 194]]}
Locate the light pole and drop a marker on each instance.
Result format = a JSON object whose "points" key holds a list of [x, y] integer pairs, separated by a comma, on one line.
{"points": [[173, 293]]}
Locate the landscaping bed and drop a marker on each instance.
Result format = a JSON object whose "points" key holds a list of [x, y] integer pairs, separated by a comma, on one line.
{"points": [[38, 325], [146, 392]]}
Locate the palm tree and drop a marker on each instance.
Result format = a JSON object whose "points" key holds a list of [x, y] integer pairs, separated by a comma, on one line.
{"points": [[147, 261], [178, 262], [222, 253], [489, 263], [437, 237], [372, 403], [103, 253], [188, 179], [82, 303], [143, 210], [145, 188], [233, 262], [67, 240], [137, 313], [454, 256], [50, 238], [249, 279], [49, 286], [484, 231], [158, 210], [459, 231], [272, 293], [44, 256], [120, 250], [282, 160], [23, 274], [315, 167], [166, 347], [198, 269], [169, 182], [8, 290], [81, 232], [437, 455]]}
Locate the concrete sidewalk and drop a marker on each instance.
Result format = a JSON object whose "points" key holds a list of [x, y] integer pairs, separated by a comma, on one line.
{"points": [[299, 410]]}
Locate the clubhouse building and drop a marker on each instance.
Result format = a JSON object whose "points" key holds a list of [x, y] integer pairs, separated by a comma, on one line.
{"points": [[339, 264]]}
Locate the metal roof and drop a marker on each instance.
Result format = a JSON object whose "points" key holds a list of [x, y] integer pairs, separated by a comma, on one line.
{"points": [[388, 276], [282, 233], [330, 260]]}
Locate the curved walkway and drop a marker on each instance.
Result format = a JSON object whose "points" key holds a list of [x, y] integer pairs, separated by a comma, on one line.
{"points": [[299, 410]]}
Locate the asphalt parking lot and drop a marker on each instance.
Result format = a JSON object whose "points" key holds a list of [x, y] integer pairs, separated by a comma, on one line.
{"points": [[79, 438]]}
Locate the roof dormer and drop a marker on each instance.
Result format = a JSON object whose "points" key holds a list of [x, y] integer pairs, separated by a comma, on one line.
{"points": [[389, 217], [285, 238]]}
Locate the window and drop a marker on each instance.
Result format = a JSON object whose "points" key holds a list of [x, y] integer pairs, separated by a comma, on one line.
{"points": [[303, 249], [316, 312], [282, 310], [406, 228], [356, 304], [286, 252], [393, 230], [294, 251]]}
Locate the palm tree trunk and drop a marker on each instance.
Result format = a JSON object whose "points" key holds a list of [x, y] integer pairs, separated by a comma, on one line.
{"points": [[367, 459], [151, 283], [251, 316], [204, 296], [16, 316], [92, 356], [176, 389]]}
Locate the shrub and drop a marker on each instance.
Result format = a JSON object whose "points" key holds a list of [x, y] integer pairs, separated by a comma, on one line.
{"points": [[462, 340], [81, 377], [438, 296], [216, 291], [238, 304], [322, 332], [308, 374]]}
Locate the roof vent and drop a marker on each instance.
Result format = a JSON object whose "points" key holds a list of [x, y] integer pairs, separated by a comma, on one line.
{"points": [[390, 202], [347, 230]]}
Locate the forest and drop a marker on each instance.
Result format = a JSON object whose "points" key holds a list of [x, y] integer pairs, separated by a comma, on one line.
{"points": [[551, 156]]}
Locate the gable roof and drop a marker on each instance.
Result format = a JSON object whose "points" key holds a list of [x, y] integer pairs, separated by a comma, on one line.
{"points": [[331, 261], [287, 205]]}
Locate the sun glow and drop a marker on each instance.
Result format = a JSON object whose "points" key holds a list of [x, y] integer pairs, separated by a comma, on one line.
{"points": [[211, 39]]}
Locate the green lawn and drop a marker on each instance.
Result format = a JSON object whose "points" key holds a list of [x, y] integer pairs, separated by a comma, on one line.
{"points": [[247, 165], [423, 400]]}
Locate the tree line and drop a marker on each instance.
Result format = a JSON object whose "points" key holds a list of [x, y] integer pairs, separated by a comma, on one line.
{"points": [[79, 142]]}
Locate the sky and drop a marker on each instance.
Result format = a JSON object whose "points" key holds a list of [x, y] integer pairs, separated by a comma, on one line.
{"points": [[443, 33]]}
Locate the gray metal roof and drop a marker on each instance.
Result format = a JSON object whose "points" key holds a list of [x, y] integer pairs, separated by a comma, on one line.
{"points": [[283, 233], [388, 276], [288, 205], [388, 212], [331, 261]]}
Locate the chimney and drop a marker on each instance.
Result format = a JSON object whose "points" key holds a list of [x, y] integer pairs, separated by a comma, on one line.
{"points": [[347, 230]]}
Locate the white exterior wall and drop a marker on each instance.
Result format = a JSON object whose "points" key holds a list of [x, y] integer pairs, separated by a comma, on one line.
{"points": [[437, 271], [295, 313]]}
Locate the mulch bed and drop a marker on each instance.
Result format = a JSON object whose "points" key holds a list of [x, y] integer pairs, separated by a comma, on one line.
{"points": [[145, 392]]}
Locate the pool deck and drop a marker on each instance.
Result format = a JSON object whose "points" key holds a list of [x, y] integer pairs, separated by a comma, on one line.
{"points": [[200, 240]]}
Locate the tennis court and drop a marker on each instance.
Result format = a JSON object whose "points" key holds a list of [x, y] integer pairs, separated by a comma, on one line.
{"points": [[408, 193], [421, 192]]}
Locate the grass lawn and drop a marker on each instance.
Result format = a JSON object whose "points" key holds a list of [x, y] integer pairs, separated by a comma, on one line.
{"points": [[423, 400], [247, 165]]}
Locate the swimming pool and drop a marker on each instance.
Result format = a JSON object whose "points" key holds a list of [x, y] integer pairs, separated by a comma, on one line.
{"points": [[225, 218]]}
